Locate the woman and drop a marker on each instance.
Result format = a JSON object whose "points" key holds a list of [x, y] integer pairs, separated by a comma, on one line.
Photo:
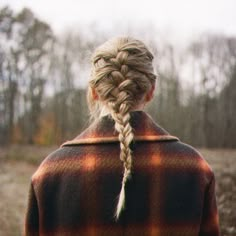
{"points": [[124, 175]]}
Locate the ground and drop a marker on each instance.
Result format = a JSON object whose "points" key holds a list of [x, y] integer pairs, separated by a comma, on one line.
{"points": [[18, 163]]}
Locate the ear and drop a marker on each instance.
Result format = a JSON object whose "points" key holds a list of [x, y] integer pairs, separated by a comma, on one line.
{"points": [[94, 94], [150, 94]]}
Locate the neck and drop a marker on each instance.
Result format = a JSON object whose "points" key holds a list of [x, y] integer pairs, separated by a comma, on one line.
{"points": [[105, 111]]}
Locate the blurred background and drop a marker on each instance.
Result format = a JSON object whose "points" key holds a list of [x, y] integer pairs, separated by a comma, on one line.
{"points": [[45, 50]]}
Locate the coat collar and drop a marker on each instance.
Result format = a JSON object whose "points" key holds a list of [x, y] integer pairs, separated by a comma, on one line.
{"points": [[102, 131]]}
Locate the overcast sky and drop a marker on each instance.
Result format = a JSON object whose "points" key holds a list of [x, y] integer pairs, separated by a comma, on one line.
{"points": [[179, 16]]}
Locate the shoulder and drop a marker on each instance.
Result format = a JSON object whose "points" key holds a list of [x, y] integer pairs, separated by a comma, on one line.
{"points": [[58, 162], [189, 157]]}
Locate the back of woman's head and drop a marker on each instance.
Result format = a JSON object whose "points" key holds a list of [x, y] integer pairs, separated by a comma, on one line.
{"points": [[122, 73], [122, 78]]}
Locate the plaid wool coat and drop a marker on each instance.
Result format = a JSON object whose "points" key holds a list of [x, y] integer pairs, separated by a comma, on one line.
{"points": [[75, 189]]}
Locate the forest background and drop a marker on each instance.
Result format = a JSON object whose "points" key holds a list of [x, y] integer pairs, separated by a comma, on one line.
{"points": [[43, 78]]}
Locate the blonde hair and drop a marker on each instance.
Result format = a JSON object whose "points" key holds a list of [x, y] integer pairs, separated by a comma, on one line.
{"points": [[122, 74]]}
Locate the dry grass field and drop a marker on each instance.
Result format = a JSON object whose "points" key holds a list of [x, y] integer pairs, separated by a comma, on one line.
{"points": [[18, 163]]}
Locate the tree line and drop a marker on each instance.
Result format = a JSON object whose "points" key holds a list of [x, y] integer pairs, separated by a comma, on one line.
{"points": [[43, 79]]}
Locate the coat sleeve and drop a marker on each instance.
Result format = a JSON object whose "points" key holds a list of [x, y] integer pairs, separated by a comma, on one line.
{"points": [[31, 225], [210, 218]]}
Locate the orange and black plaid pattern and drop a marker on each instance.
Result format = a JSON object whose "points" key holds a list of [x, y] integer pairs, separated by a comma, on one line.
{"points": [[75, 189]]}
